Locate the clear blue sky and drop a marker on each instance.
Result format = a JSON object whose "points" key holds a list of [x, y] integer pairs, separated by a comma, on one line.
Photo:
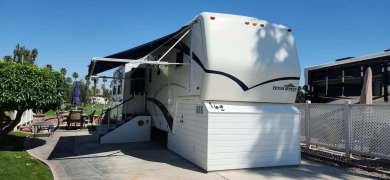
{"points": [[69, 33]]}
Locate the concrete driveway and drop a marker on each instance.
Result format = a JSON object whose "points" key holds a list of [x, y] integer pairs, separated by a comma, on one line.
{"points": [[78, 155]]}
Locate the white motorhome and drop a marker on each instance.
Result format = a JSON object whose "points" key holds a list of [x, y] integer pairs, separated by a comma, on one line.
{"points": [[97, 100], [222, 87]]}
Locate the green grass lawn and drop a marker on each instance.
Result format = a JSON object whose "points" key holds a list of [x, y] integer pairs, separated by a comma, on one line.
{"points": [[86, 110], [16, 163]]}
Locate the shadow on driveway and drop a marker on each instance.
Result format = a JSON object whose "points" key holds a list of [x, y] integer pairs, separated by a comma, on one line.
{"points": [[79, 155], [138, 154]]}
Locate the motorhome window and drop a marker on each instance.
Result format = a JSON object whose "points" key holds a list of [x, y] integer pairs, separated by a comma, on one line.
{"points": [[179, 59], [137, 86], [138, 81], [114, 90]]}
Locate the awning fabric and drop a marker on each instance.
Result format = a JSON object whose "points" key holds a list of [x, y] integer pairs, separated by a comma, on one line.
{"points": [[133, 53]]}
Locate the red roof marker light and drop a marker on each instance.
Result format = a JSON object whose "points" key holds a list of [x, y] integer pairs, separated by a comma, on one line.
{"points": [[212, 17]]}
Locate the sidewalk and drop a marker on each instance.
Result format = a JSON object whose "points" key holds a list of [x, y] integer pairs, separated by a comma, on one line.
{"points": [[77, 155]]}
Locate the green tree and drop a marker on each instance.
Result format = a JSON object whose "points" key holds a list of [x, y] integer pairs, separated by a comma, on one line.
{"points": [[97, 91], [107, 94], [23, 55], [75, 75], [86, 89], [26, 86], [7, 58], [69, 80], [104, 81], [49, 67], [63, 71], [85, 94], [34, 54], [70, 92], [95, 82], [300, 96], [112, 84], [69, 87]]}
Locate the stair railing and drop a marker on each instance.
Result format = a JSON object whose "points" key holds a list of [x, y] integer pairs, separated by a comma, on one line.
{"points": [[139, 97]]}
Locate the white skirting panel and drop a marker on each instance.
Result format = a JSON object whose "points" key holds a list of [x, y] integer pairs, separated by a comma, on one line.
{"points": [[228, 135], [190, 136], [248, 135]]}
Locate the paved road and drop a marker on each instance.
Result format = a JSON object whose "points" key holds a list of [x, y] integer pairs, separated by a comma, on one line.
{"points": [[78, 155]]}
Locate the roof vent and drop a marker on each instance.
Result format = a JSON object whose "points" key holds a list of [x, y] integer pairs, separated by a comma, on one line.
{"points": [[342, 59], [387, 50]]}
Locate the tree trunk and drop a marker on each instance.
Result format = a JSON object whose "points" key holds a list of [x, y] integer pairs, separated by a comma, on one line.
{"points": [[2, 116], [8, 129]]}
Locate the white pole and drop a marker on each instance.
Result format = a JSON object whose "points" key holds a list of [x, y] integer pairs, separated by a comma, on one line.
{"points": [[190, 72], [346, 128], [307, 123]]}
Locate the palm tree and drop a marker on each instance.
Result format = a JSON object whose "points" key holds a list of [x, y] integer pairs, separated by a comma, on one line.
{"points": [[8, 58], [63, 71], [34, 54], [75, 76], [48, 66], [104, 81], [112, 84], [95, 81], [16, 52]]}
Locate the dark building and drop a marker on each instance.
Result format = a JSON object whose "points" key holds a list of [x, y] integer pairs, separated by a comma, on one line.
{"points": [[343, 79]]}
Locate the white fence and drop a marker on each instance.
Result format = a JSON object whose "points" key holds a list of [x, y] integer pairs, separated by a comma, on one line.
{"points": [[27, 117], [352, 128]]}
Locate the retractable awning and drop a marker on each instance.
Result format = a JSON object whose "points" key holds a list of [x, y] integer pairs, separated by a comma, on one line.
{"points": [[112, 61]]}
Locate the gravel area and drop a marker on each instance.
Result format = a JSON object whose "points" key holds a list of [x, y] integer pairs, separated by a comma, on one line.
{"points": [[377, 164]]}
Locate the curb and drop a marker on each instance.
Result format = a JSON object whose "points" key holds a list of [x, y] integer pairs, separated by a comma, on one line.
{"points": [[38, 156]]}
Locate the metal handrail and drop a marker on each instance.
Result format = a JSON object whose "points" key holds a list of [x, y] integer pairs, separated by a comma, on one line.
{"points": [[122, 102], [108, 110]]}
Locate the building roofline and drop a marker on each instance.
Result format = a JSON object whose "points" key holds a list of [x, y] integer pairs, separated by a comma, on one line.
{"points": [[352, 60]]}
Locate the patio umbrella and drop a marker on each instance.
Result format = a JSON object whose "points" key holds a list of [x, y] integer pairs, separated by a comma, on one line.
{"points": [[366, 95], [76, 96]]}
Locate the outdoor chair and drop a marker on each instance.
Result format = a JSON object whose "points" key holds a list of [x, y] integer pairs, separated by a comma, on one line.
{"points": [[75, 117], [89, 118]]}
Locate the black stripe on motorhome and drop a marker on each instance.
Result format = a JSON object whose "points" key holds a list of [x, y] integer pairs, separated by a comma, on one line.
{"points": [[273, 80], [240, 83], [186, 50], [164, 110]]}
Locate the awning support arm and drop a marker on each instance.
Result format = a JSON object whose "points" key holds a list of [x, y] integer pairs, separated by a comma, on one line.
{"points": [[134, 61], [174, 45]]}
